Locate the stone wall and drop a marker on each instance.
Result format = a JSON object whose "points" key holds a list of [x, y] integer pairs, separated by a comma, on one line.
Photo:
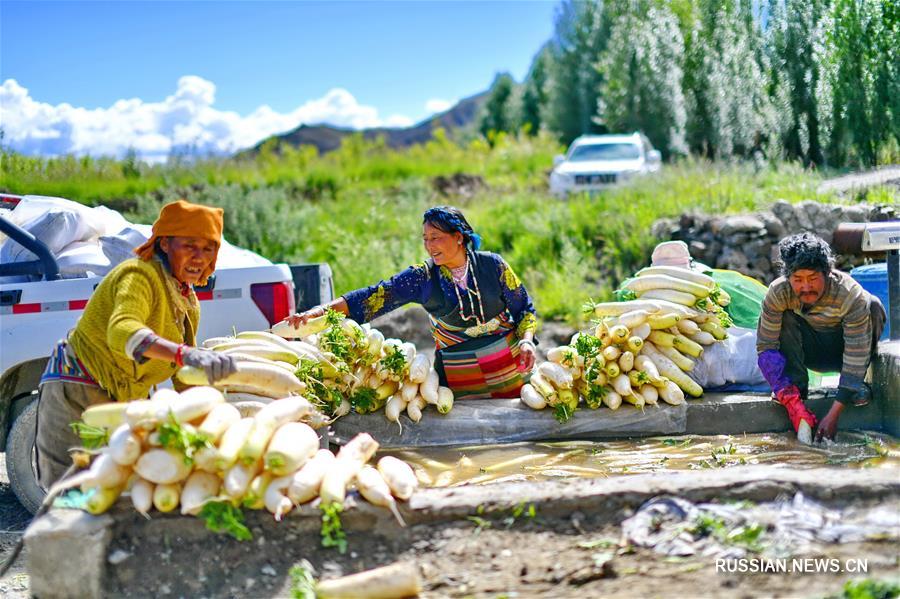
{"points": [[749, 243]]}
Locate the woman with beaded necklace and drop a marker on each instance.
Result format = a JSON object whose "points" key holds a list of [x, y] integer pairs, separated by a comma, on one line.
{"points": [[482, 318]]}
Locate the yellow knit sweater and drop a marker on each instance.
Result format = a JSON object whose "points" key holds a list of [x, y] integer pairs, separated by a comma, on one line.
{"points": [[134, 295]]}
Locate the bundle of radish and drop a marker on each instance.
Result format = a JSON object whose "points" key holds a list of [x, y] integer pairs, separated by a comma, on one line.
{"points": [[347, 366], [639, 352], [194, 450]]}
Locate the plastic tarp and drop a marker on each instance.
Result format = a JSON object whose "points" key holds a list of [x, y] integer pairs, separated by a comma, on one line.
{"points": [[489, 421]]}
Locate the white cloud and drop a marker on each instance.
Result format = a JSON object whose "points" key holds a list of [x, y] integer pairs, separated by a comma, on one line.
{"points": [[185, 120], [435, 105]]}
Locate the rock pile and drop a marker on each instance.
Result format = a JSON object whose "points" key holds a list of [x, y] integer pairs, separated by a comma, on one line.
{"points": [[749, 243]]}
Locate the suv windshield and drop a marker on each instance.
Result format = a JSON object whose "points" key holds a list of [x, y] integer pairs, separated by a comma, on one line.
{"points": [[607, 151]]}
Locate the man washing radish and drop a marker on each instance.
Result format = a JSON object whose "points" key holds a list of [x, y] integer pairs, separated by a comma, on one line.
{"points": [[816, 317]]}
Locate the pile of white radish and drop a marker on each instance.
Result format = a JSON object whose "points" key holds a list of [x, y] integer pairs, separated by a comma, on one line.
{"points": [[347, 366], [680, 286], [193, 448], [639, 353]]}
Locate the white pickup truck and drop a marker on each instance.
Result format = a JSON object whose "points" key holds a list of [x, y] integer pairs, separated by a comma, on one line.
{"points": [[35, 315]]}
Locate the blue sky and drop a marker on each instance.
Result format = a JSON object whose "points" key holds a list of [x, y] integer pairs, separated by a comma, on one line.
{"points": [[98, 77]]}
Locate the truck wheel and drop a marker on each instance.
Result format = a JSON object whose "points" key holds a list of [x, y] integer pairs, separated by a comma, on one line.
{"points": [[20, 459]]}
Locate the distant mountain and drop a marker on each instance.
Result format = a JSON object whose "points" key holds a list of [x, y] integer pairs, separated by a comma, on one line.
{"points": [[326, 138]]}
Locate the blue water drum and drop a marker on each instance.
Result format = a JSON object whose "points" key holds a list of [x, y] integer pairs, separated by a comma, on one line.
{"points": [[874, 279]]}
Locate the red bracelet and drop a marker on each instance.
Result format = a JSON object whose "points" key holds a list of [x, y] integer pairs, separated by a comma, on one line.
{"points": [[179, 355]]}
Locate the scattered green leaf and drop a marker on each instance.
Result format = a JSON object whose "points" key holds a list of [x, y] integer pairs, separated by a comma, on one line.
{"points": [[332, 532], [222, 516]]}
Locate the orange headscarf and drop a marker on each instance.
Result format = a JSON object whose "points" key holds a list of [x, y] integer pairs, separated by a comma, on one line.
{"points": [[183, 219]]}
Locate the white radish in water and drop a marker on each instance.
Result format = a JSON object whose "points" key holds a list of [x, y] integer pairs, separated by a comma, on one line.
{"points": [[414, 408], [531, 398], [124, 446], [275, 499], [238, 478], [196, 402], [650, 394], [292, 445], [350, 459], [393, 408], [142, 496], [445, 400], [373, 487], [165, 497], [306, 482], [396, 580], [408, 391], [231, 443], [418, 368], [162, 466], [429, 388], [267, 421], [399, 477], [218, 420], [199, 488]]}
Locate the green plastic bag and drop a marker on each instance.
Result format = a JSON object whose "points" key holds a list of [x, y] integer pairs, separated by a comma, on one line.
{"points": [[746, 293]]}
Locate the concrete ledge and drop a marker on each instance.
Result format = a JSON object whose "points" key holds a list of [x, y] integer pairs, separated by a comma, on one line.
{"points": [[886, 384], [76, 555], [67, 548]]}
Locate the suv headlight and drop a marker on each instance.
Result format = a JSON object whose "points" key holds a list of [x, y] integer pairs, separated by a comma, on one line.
{"points": [[561, 178]]}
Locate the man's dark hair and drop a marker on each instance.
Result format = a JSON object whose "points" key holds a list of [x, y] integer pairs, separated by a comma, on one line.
{"points": [[805, 251]]}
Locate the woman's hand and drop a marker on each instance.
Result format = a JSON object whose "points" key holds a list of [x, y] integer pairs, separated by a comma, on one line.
{"points": [[527, 354], [216, 365], [295, 320]]}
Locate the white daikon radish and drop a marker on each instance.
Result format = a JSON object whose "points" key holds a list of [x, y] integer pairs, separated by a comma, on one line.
{"points": [[409, 390], [124, 446], [142, 496], [418, 369], [672, 394], [238, 478], [650, 394], [165, 497], [255, 497], [532, 399], [343, 409], [306, 482], [109, 415], [196, 402], [199, 488], [101, 499], [292, 445], [205, 459], [399, 477], [249, 409], [445, 400], [396, 580], [272, 378], [429, 388], [612, 400], [162, 466], [393, 408], [643, 331], [218, 420], [275, 500], [350, 459], [414, 408], [267, 421], [688, 327], [106, 472], [214, 341], [310, 327], [557, 374], [231, 443], [626, 361], [373, 487]]}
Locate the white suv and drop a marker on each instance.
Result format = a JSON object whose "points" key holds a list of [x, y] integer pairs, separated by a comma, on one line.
{"points": [[597, 161]]}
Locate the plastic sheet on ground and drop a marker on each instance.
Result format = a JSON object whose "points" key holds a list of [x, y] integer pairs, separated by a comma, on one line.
{"points": [[489, 421], [731, 362], [676, 527]]}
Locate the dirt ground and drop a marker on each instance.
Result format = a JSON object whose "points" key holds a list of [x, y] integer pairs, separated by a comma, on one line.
{"points": [[13, 521], [574, 556]]}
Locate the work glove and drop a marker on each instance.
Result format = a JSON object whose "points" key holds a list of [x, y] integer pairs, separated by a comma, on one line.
{"points": [[216, 366], [771, 364], [801, 418]]}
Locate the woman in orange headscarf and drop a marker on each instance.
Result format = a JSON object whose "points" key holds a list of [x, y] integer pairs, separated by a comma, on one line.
{"points": [[139, 326]]}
